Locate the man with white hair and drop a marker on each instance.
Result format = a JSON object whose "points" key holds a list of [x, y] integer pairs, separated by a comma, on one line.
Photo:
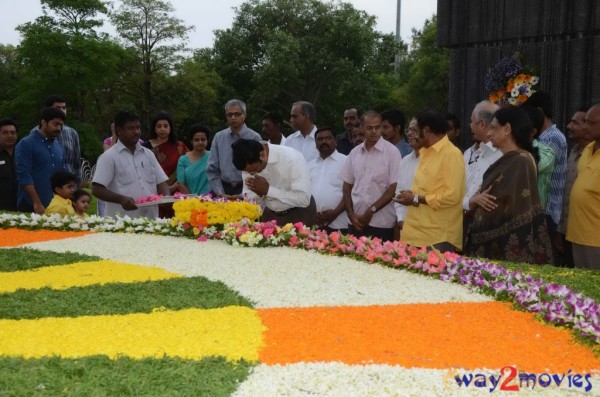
{"points": [[224, 178], [481, 118]]}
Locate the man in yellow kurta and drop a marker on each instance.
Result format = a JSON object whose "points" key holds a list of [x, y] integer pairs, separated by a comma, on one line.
{"points": [[434, 216], [583, 228]]}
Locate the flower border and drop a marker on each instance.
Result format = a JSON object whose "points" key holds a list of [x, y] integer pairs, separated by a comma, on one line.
{"points": [[555, 303]]}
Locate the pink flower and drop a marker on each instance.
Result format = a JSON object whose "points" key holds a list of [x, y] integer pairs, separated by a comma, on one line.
{"points": [[202, 239], [433, 258], [268, 232]]}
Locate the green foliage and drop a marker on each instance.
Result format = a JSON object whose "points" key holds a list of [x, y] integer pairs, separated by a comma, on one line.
{"points": [[61, 53], [281, 51], [76, 16], [15, 259], [192, 94], [10, 73], [90, 143], [101, 376], [119, 298], [424, 74]]}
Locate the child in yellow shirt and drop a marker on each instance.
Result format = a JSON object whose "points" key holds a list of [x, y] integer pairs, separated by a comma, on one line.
{"points": [[63, 186], [81, 202]]}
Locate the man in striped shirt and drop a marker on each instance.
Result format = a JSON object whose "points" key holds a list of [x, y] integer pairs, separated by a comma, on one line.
{"points": [[556, 140]]}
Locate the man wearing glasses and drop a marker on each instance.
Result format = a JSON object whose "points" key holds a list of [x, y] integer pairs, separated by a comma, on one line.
{"points": [[224, 178], [8, 173]]}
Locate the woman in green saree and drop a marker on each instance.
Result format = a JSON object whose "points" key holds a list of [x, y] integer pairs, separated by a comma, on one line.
{"points": [[191, 167]]}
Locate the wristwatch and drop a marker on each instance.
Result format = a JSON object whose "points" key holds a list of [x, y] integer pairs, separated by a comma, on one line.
{"points": [[416, 200], [373, 209]]}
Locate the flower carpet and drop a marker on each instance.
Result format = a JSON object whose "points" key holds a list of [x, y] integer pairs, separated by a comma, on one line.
{"points": [[283, 321]]}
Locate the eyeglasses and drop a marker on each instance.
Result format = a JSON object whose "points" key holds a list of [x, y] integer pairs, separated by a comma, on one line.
{"points": [[233, 114], [9, 133]]}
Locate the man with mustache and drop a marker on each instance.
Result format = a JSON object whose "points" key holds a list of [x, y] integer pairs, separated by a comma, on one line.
{"points": [[127, 171], [577, 130], [37, 157], [327, 183], [370, 175]]}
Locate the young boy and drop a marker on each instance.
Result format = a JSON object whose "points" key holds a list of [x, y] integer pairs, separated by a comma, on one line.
{"points": [[63, 186]]}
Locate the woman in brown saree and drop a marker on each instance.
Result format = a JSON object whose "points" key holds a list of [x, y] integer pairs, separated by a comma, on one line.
{"points": [[509, 223]]}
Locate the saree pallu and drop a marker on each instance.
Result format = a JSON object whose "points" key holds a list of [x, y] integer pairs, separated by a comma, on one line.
{"points": [[168, 154], [516, 230], [194, 174]]}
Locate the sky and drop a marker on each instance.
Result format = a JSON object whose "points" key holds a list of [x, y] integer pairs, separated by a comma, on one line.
{"points": [[208, 15]]}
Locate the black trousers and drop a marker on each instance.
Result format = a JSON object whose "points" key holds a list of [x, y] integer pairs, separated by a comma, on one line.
{"points": [[308, 215], [385, 234], [232, 189]]}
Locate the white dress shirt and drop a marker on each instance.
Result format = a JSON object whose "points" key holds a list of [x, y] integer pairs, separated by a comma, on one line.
{"points": [[488, 155], [408, 167], [289, 182], [132, 175], [282, 143], [304, 144], [326, 180], [472, 154]]}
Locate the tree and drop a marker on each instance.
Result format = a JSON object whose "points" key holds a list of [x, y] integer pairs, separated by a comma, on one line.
{"points": [[192, 93], [156, 38], [61, 53], [425, 73], [10, 74], [281, 51]]}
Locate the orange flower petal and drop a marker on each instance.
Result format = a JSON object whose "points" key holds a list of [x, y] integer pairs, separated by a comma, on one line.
{"points": [[14, 237], [459, 335]]}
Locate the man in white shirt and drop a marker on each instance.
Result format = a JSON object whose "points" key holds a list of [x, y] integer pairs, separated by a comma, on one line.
{"points": [[277, 178], [408, 165], [325, 175], [272, 124], [128, 171], [481, 118], [302, 117]]}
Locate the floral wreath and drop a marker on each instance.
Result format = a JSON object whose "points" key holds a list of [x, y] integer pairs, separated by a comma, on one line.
{"points": [[508, 83]]}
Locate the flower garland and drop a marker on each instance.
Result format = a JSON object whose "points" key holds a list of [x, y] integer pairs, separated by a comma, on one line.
{"points": [[508, 84], [557, 304]]}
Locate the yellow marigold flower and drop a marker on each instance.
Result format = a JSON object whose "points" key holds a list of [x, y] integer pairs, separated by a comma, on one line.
{"points": [[233, 332], [80, 274]]}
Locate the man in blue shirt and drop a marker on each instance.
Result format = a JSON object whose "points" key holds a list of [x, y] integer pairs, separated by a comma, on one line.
{"points": [[68, 139], [38, 156], [224, 178]]}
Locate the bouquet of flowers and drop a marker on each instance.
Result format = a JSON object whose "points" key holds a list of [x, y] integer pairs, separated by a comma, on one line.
{"points": [[507, 83], [205, 211]]}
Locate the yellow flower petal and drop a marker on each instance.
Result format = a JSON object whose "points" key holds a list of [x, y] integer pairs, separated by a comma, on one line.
{"points": [[233, 332], [80, 274]]}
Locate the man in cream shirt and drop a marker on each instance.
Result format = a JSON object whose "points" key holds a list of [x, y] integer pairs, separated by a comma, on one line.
{"points": [[325, 175]]}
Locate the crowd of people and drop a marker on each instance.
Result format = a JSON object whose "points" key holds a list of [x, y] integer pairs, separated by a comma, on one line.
{"points": [[516, 194]]}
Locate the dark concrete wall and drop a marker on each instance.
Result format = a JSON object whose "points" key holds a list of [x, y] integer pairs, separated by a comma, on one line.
{"points": [[561, 38]]}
